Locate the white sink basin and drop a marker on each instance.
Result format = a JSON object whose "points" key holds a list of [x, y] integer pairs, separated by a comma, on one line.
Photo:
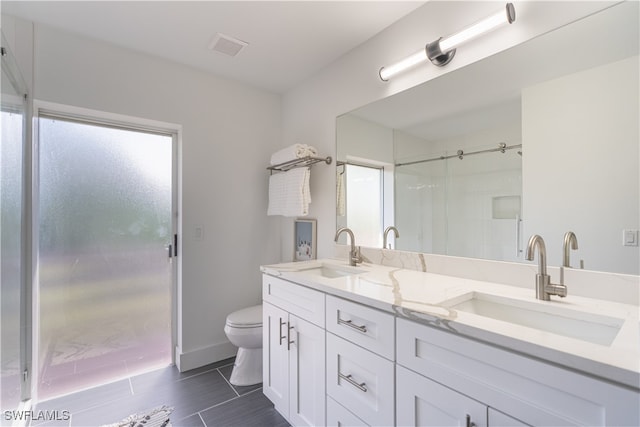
{"points": [[332, 271], [584, 326]]}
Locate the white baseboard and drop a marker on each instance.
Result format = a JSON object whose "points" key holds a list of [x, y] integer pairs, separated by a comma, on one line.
{"points": [[204, 356]]}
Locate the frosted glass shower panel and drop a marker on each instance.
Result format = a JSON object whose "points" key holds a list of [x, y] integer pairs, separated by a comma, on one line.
{"points": [[11, 183]]}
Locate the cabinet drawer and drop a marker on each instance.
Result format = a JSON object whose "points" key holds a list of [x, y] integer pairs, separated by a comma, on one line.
{"points": [[362, 381], [529, 390], [339, 416], [365, 326], [296, 299]]}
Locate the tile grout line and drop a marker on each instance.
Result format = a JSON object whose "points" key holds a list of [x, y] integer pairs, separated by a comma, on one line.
{"points": [[227, 381], [202, 419], [238, 395], [222, 403], [204, 372], [210, 407]]}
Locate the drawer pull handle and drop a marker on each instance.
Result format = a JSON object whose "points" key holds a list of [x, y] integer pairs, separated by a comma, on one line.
{"points": [[350, 324], [349, 379], [282, 337]]}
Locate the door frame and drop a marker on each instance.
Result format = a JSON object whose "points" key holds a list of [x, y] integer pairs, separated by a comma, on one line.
{"points": [[102, 118]]}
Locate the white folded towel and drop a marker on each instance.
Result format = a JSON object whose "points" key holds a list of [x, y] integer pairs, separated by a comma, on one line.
{"points": [[292, 152], [289, 193]]}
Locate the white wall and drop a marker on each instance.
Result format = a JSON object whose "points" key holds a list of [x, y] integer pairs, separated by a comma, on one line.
{"points": [[590, 118], [362, 139], [229, 131], [310, 110]]}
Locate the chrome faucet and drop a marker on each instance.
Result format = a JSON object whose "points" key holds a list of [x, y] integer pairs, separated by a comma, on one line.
{"points": [[570, 242], [354, 255], [386, 234], [544, 287]]}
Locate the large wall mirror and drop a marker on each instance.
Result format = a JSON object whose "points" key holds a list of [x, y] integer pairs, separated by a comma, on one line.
{"points": [[542, 138]]}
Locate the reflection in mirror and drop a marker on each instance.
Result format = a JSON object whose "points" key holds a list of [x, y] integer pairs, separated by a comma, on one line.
{"points": [[540, 139]]}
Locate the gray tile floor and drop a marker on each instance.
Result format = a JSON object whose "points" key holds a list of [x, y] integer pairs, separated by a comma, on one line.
{"points": [[202, 397]]}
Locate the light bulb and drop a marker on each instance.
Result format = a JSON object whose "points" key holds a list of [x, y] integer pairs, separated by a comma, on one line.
{"points": [[406, 63], [488, 24]]}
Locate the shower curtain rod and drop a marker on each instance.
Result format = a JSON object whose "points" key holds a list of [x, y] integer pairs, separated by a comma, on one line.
{"points": [[502, 147]]}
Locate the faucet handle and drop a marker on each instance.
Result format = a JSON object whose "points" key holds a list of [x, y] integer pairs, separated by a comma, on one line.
{"points": [[356, 256]]}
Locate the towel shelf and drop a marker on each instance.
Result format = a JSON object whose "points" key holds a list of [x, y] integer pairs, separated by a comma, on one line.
{"points": [[297, 163]]}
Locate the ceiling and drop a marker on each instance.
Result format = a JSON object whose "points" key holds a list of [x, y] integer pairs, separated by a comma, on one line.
{"points": [[289, 41]]}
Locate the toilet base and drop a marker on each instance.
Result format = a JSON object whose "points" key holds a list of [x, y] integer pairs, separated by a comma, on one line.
{"points": [[247, 369]]}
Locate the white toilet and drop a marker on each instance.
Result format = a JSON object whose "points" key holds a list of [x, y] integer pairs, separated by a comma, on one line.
{"points": [[244, 330]]}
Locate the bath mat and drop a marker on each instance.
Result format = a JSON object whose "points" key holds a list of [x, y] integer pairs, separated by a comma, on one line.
{"points": [[156, 417]]}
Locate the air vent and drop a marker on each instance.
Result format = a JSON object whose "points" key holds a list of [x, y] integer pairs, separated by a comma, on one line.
{"points": [[226, 44]]}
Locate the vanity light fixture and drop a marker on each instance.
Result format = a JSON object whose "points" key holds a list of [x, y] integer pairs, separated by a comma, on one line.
{"points": [[440, 52]]}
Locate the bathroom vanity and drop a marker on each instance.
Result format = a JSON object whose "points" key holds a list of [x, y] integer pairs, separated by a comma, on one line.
{"points": [[381, 345]]}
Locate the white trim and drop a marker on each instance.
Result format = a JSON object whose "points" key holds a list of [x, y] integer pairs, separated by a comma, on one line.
{"points": [[104, 117], [203, 356]]}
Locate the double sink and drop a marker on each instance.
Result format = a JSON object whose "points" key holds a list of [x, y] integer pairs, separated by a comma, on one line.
{"points": [[542, 316]]}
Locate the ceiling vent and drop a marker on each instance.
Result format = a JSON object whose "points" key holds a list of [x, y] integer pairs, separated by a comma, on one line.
{"points": [[226, 44]]}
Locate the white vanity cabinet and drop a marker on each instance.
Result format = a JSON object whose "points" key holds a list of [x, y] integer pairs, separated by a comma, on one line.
{"points": [[332, 361], [509, 388], [360, 363], [294, 351]]}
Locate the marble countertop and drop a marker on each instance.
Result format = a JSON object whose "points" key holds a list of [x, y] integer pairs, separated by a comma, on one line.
{"points": [[434, 299]]}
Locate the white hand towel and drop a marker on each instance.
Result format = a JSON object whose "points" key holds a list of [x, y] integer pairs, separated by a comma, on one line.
{"points": [[340, 196], [293, 152], [289, 193]]}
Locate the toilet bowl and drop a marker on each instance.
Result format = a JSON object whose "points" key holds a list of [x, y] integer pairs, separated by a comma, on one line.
{"points": [[244, 330]]}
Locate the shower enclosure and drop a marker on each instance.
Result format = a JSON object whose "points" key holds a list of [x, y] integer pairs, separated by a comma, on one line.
{"points": [[462, 203]]}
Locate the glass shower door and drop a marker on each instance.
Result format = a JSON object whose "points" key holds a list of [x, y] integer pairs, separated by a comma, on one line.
{"points": [[483, 202], [13, 327]]}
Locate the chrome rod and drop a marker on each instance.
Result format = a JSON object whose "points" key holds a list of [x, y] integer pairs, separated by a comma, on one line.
{"points": [[518, 236], [282, 337], [500, 149], [289, 342], [350, 324], [350, 380], [299, 162]]}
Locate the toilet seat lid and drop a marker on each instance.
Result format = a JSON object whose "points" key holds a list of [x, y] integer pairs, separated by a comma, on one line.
{"points": [[249, 317]]}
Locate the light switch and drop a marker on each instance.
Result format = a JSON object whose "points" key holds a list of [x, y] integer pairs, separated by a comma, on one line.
{"points": [[198, 233], [630, 237]]}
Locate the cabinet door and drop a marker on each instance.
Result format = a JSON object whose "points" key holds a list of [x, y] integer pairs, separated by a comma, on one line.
{"points": [[275, 357], [306, 373], [422, 402]]}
